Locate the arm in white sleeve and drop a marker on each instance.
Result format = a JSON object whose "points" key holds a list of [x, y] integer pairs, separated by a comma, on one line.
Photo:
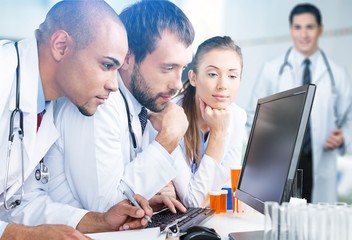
{"points": [[152, 169], [193, 189], [38, 208], [344, 108], [97, 156]]}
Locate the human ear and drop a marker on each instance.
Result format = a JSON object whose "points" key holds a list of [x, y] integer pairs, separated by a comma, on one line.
{"points": [[192, 78], [60, 43], [321, 29], [129, 61]]}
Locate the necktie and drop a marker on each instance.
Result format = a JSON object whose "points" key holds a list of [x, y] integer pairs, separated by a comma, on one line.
{"points": [[143, 117], [39, 118], [307, 148], [306, 72]]}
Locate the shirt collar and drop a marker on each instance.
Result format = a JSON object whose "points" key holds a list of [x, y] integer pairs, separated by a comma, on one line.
{"points": [[41, 105], [299, 58]]}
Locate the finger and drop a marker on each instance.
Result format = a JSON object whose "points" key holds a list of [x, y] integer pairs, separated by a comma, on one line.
{"points": [[328, 146], [332, 143], [124, 208], [168, 203], [135, 224], [178, 205], [144, 204], [337, 131]]}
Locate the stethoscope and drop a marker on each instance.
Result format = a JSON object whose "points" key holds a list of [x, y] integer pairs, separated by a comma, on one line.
{"points": [[42, 173], [133, 139], [286, 63]]}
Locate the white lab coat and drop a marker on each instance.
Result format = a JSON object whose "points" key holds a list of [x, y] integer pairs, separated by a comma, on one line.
{"points": [[322, 116], [93, 155], [193, 189], [33, 209]]}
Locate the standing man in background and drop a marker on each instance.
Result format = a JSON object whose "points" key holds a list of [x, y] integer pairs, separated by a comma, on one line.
{"points": [[330, 128], [75, 53]]}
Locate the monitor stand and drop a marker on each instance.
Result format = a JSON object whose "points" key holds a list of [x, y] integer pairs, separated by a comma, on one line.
{"points": [[253, 235]]}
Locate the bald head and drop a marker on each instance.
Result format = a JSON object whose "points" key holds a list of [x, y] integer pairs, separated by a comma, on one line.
{"points": [[80, 19], [81, 45]]}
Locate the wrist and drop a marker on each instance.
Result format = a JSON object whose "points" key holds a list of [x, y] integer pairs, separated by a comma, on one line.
{"points": [[16, 231], [93, 222], [169, 141]]}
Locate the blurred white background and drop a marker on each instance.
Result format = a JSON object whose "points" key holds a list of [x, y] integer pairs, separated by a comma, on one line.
{"points": [[261, 28]]}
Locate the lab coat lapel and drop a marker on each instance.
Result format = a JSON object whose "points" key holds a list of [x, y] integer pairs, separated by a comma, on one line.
{"points": [[287, 79], [35, 145], [46, 135], [29, 75], [320, 70]]}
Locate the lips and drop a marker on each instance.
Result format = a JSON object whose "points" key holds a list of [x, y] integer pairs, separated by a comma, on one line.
{"points": [[220, 97], [166, 98], [102, 99]]}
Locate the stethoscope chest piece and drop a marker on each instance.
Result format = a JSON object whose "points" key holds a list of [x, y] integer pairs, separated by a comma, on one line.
{"points": [[42, 173]]}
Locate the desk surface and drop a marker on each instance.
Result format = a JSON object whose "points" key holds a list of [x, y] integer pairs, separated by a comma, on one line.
{"points": [[223, 223], [237, 222]]}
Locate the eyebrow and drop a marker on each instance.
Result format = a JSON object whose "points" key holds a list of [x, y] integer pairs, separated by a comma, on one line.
{"points": [[212, 66], [170, 64], [116, 62]]}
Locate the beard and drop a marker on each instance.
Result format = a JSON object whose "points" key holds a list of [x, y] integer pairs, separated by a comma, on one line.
{"points": [[142, 92], [84, 111]]}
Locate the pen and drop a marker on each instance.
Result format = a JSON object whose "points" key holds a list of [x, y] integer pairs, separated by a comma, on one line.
{"points": [[128, 193]]}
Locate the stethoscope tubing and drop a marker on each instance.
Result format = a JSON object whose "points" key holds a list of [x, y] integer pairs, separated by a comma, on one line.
{"points": [[286, 63]]}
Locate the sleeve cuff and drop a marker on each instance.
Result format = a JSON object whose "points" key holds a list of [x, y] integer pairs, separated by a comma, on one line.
{"points": [[3, 225]]}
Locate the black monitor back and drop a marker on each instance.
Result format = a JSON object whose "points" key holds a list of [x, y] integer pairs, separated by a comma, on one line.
{"points": [[274, 147]]}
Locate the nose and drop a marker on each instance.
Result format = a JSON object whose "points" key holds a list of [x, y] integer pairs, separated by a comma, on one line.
{"points": [[176, 82], [304, 32], [112, 84], [222, 83]]}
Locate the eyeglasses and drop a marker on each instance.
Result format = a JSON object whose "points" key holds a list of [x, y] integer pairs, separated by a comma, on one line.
{"points": [[14, 131]]}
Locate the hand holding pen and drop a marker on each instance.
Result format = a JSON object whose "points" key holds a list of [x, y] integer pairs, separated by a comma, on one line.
{"points": [[129, 193], [121, 216]]}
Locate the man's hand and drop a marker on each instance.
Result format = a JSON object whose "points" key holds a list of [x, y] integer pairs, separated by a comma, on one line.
{"points": [[42, 232], [335, 139], [121, 216], [158, 202], [171, 124]]}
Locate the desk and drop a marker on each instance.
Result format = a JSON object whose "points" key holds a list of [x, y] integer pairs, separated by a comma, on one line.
{"points": [[237, 222], [223, 223]]}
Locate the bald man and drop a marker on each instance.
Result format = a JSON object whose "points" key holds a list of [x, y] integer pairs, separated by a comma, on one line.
{"points": [[76, 53]]}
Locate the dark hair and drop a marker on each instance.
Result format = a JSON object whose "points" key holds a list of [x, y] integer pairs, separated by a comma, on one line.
{"points": [[192, 137], [145, 22], [306, 8], [78, 18]]}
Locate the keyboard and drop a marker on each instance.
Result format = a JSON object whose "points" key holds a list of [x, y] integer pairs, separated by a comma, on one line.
{"points": [[193, 217]]}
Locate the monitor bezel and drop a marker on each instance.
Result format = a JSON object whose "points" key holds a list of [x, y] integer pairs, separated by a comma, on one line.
{"points": [[309, 91]]}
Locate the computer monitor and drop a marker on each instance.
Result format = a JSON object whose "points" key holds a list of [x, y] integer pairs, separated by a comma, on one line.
{"points": [[274, 147]]}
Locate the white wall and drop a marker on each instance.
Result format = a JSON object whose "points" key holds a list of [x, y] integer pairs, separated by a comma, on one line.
{"points": [[261, 28]]}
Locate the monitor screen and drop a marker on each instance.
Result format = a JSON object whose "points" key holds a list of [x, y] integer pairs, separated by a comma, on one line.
{"points": [[274, 146]]}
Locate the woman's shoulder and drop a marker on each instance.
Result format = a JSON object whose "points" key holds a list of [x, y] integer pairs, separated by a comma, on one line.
{"points": [[238, 112]]}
